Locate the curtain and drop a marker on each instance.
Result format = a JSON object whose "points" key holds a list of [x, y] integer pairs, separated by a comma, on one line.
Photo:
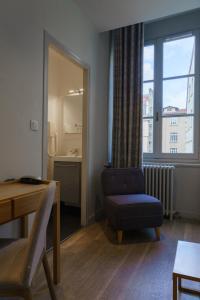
{"points": [[127, 45]]}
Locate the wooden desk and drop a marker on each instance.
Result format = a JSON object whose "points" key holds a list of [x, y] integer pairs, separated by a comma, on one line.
{"points": [[186, 266], [17, 200]]}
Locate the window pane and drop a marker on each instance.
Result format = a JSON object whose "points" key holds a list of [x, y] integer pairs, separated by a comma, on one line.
{"points": [[148, 135], [178, 96], [179, 138], [178, 57], [148, 66], [148, 95]]}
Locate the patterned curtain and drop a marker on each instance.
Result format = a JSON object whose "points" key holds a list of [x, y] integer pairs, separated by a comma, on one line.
{"points": [[127, 96]]}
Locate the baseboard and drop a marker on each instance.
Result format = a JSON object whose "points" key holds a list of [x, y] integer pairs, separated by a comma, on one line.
{"points": [[189, 215]]}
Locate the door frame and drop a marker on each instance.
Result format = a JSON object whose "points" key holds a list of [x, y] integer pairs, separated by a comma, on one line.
{"points": [[51, 41]]}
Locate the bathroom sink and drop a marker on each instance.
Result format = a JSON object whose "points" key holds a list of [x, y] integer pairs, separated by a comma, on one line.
{"points": [[68, 158]]}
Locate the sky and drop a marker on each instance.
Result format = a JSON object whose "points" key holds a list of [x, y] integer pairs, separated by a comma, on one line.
{"points": [[176, 61]]}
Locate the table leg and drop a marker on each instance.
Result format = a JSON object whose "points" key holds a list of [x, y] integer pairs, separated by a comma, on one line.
{"points": [[24, 227], [56, 236], [174, 287]]}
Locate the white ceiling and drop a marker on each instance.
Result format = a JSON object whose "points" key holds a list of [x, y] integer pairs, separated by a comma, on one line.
{"points": [[110, 14]]}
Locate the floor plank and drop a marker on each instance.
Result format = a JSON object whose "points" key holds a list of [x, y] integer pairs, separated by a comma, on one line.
{"points": [[94, 266]]}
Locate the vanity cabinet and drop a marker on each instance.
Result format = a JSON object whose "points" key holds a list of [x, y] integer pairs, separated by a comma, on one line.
{"points": [[69, 175]]}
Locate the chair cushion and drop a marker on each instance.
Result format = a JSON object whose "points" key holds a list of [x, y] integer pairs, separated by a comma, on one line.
{"points": [[12, 259], [134, 211]]}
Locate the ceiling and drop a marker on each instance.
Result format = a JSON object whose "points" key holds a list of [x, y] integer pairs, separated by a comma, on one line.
{"points": [[110, 14]]}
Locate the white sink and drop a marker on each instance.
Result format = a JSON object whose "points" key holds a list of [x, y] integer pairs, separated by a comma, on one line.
{"points": [[68, 158]]}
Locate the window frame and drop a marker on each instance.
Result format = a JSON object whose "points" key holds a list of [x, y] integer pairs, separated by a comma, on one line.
{"points": [[158, 94]]}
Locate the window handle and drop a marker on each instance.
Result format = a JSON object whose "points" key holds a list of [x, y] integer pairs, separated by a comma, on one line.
{"points": [[157, 117]]}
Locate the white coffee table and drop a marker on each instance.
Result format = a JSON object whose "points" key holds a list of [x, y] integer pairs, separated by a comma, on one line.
{"points": [[186, 266]]}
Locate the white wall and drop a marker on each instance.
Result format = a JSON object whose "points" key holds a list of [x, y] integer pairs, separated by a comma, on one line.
{"points": [[187, 190], [21, 82]]}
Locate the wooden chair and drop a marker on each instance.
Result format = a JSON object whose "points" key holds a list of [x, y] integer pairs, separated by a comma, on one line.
{"points": [[20, 260]]}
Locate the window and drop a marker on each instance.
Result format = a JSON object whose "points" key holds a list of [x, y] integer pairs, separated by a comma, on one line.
{"points": [[173, 121], [169, 92], [173, 137], [173, 150]]}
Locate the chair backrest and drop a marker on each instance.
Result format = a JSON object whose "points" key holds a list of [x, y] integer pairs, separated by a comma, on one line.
{"points": [[122, 181], [37, 239]]}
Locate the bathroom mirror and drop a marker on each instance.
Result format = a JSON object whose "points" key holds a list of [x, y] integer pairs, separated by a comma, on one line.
{"points": [[72, 118]]}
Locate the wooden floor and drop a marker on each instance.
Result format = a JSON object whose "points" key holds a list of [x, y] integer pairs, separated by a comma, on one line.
{"points": [[95, 267]]}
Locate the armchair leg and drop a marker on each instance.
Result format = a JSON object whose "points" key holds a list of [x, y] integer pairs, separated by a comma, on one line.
{"points": [[119, 236], [157, 232]]}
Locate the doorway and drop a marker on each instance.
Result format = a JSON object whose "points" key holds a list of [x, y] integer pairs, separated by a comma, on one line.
{"points": [[65, 133]]}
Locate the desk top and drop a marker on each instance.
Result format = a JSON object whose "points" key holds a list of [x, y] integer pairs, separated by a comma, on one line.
{"points": [[187, 259], [10, 190]]}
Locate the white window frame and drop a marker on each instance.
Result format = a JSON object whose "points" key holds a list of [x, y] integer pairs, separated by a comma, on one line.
{"points": [[157, 106]]}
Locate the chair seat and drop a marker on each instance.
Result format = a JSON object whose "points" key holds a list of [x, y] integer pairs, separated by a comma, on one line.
{"points": [[134, 211], [12, 259], [135, 201]]}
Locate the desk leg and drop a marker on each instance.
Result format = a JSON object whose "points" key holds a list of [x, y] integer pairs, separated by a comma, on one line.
{"points": [[56, 236], [24, 227], [174, 287]]}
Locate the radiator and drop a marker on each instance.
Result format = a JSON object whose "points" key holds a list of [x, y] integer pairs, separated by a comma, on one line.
{"points": [[159, 182]]}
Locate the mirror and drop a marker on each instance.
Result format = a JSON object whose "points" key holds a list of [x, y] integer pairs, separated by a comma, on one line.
{"points": [[72, 118]]}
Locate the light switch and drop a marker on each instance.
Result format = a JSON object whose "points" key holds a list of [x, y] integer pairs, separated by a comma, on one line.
{"points": [[34, 125]]}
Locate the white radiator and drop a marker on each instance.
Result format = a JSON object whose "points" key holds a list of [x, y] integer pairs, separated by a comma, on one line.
{"points": [[159, 182]]}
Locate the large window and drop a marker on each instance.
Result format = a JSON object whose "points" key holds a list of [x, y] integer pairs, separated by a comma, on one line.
{"points": [[169, 97]]}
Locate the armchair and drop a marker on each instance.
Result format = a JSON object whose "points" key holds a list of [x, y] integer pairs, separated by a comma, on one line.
{"points": [[126, 204]]}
